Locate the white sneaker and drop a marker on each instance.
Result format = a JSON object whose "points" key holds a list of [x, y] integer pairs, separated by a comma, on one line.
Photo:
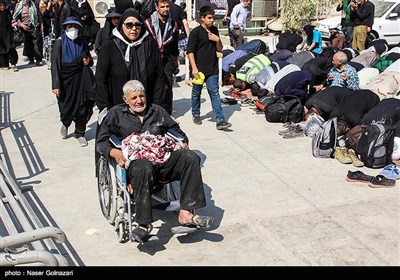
{"points": [[64, 132], [82, 141]]}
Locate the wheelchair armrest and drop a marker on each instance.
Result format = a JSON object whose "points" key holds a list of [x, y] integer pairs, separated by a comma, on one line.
{"points": [[115, 141], [175, 135]]}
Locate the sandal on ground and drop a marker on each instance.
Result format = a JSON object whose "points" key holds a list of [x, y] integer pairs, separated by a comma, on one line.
{"points": [[390, 172], [358, 176], [247, 102], [238, 95], [229, 101], [198, 222], [380, 181], [252, 106], [201, 221], [141, 233]]}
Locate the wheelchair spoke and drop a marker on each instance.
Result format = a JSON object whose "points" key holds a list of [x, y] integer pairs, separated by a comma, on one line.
{"points": [[106, 191]]}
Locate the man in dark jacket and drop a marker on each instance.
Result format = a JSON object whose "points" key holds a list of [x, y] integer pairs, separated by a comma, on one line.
{"points": [[164, 31], [179, 15], [363, 12], [136, 116]]}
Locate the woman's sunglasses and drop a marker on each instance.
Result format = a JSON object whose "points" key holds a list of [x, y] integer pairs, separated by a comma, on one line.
{"points": [[130, 25]]}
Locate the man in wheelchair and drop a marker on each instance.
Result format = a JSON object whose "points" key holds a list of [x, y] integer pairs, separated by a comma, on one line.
{"points": [[138, 117]]}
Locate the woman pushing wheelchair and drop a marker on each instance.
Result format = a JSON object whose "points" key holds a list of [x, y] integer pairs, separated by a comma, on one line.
{"points": [[139, 125]]}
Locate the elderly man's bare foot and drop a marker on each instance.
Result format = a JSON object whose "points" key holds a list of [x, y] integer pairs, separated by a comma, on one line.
{"points": [[186, 218]]}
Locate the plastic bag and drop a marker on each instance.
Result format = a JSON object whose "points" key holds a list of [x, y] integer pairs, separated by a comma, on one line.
{"points": [[18, 38], [313, 123]]}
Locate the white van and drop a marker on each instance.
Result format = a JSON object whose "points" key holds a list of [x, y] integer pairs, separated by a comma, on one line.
{"points": [[386, 22]]}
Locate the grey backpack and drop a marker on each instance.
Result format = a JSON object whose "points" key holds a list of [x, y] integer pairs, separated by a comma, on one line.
{"points": [[324, 140]]}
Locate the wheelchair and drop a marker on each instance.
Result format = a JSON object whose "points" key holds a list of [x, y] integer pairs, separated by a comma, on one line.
{"points": [[117, 205]]}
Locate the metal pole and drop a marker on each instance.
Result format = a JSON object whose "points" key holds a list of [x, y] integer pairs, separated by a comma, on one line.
{"points": [[28, 257], [189, 6], [29, 236]]}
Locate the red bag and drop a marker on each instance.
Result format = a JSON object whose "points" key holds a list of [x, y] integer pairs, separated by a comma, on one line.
{"points": [[262, 102]]}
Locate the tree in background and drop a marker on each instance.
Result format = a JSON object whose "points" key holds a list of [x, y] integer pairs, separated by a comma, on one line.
{"points": [[297, 13]]}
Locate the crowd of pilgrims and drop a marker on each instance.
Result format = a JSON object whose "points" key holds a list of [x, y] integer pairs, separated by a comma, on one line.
{"points": [[356, 87], [292, 69]]}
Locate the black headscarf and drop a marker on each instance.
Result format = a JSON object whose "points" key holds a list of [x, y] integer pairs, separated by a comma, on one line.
{"points": [[140, 51], [123, 5], [106, 32], [130, 13], [309, 29], [380, 45]]}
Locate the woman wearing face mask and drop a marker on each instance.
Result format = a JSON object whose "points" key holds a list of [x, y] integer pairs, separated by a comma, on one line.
{"points": [[73, 80]]}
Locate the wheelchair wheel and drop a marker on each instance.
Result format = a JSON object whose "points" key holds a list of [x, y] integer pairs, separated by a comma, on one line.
{"points": [[107, 189]]}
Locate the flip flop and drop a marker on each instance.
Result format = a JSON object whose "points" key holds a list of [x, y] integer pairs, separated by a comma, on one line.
{"points": [[380, 181], [141, 235], [390, 172], [198, 222], [247, 102], [229, 101], [201, 221]]}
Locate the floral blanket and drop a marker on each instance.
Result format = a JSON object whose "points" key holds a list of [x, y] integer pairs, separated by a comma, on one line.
{"points": [[154, 148]]}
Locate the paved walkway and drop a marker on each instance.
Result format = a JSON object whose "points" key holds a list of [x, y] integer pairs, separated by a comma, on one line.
{"points": [[274, 203]]}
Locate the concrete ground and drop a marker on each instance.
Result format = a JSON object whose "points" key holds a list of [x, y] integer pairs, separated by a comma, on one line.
{"points": [[274, 203]]}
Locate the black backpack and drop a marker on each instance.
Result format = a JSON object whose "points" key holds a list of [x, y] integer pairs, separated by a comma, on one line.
{"points": [[263, 101], [256, 46], [286, 108], [375, 146]]}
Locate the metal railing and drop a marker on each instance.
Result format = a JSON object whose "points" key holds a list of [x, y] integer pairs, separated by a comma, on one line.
{"points": [[23, 237]]}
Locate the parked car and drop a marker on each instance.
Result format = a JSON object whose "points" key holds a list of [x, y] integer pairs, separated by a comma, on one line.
{"points": [[386, 22]]}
